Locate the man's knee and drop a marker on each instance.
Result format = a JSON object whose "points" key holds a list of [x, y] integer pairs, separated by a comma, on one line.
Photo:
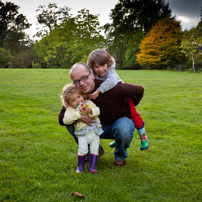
{"points": [[124, 128]]}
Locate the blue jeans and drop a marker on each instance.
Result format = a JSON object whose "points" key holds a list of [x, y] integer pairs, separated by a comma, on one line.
{"points": [[122, 131]]}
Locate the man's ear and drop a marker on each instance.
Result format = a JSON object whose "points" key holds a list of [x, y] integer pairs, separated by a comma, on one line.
{"points": [[92, 74]]}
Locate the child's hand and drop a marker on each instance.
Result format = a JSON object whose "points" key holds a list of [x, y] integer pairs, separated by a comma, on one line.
{"points": [[88, 110], [94, 95]]}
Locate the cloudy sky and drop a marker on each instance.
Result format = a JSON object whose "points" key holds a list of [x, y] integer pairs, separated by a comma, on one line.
{"points": [[187, 11]]}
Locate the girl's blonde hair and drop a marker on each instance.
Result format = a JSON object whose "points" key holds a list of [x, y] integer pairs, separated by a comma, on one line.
{"points": [[100, 57], [67, 91]]}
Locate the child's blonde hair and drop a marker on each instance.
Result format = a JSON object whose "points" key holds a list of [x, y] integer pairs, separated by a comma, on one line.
{"points": [[100, 57], [67, 90]]}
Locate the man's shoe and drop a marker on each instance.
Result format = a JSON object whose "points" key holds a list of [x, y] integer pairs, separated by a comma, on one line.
{"points": [[112, 144], [119, 163], [101, 152]]}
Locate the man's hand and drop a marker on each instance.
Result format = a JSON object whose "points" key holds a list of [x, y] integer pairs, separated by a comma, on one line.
{"points": [[88, 120], [94, 95]]}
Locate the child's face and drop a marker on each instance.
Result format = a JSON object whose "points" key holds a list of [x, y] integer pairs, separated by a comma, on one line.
{"points": [[75, 99], [101, 70]]}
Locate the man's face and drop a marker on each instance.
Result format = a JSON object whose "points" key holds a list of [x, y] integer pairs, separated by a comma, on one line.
{"points": [[84, 81]]}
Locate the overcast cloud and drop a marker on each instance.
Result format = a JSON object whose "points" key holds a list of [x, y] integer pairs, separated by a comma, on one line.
{"points": [[187, 11]]}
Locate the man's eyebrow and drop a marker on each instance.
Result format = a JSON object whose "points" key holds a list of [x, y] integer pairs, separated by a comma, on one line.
{"points": [[81, 77]]}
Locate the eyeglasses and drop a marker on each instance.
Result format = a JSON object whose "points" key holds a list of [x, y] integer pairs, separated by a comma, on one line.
{"points": [[84, 78]]}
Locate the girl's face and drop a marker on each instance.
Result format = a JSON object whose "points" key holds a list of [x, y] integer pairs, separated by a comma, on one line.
{"points": [[101, 70], [75, 99]]}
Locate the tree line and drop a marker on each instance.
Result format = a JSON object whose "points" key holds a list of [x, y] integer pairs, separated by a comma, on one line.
{"points": [[143, 34]]}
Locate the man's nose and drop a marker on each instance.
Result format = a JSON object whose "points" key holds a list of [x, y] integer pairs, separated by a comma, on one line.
{"points": [[81, 82]]}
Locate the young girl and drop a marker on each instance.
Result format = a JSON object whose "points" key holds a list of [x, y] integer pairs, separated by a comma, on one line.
{"points": [[75, 105], [103, 66]]}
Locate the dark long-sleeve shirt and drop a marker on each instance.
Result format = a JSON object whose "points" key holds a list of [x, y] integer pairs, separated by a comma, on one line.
{"points": [[113, 104]]}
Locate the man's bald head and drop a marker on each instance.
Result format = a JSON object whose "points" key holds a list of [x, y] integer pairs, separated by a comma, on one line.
{"points": [[78, 66], [82, 77]]}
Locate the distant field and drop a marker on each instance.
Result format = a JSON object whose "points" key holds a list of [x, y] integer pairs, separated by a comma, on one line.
{"points": [[38, 157]]}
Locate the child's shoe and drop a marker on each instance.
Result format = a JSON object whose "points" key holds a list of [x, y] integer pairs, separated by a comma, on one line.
{"points": [[112, 144], [81, 163], [92, 163], [144, 140]]}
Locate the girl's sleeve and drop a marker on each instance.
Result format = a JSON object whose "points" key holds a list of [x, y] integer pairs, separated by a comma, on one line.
{"points": [[111, 80], [95, 109], [71, 115]]}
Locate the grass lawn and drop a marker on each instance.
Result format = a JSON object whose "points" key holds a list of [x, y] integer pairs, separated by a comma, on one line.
{"points": [[38, 157]]}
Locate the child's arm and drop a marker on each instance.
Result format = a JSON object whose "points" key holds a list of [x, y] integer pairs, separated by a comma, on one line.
{"points": [[109, 83], [111, 80], [71, 115], [84, 118], [94, 95], [92, 110], [88, 111]]}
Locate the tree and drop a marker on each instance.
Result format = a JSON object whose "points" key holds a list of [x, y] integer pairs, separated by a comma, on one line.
{"points": [[20, 47], [11, 20], [12, 32], [50, 16], [160, 47], [132, 19], [71, 41], [191, 44], [5, 58]]}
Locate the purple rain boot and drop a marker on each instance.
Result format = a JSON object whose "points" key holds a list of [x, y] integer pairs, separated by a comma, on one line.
{"points": [[81, 163], [92, 163]]}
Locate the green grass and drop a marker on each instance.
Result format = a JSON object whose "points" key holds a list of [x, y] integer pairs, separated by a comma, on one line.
{"points": [[38, 157]]}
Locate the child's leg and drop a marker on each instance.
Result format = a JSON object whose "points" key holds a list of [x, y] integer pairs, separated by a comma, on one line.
{"points": [[83, 145], [94, 147], [144, 140], [135, 116], [139, 124], [94, 144], [83, 150]]}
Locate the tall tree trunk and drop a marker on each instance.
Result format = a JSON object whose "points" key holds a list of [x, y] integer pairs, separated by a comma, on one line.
{"points": [[193, 64]]}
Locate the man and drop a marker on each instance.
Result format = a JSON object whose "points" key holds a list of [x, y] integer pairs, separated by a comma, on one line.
{"points": [[114, 109]]}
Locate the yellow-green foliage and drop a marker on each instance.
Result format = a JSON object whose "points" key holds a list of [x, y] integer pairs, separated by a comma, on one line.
{"points": [[163, 40]]}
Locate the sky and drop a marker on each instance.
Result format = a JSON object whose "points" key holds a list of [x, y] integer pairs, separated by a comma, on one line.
{"points": [[187, 11]]}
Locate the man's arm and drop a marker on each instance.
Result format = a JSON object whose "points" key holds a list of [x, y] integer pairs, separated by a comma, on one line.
{"points": [[88, 120], [61, 116], [135, 92]]}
